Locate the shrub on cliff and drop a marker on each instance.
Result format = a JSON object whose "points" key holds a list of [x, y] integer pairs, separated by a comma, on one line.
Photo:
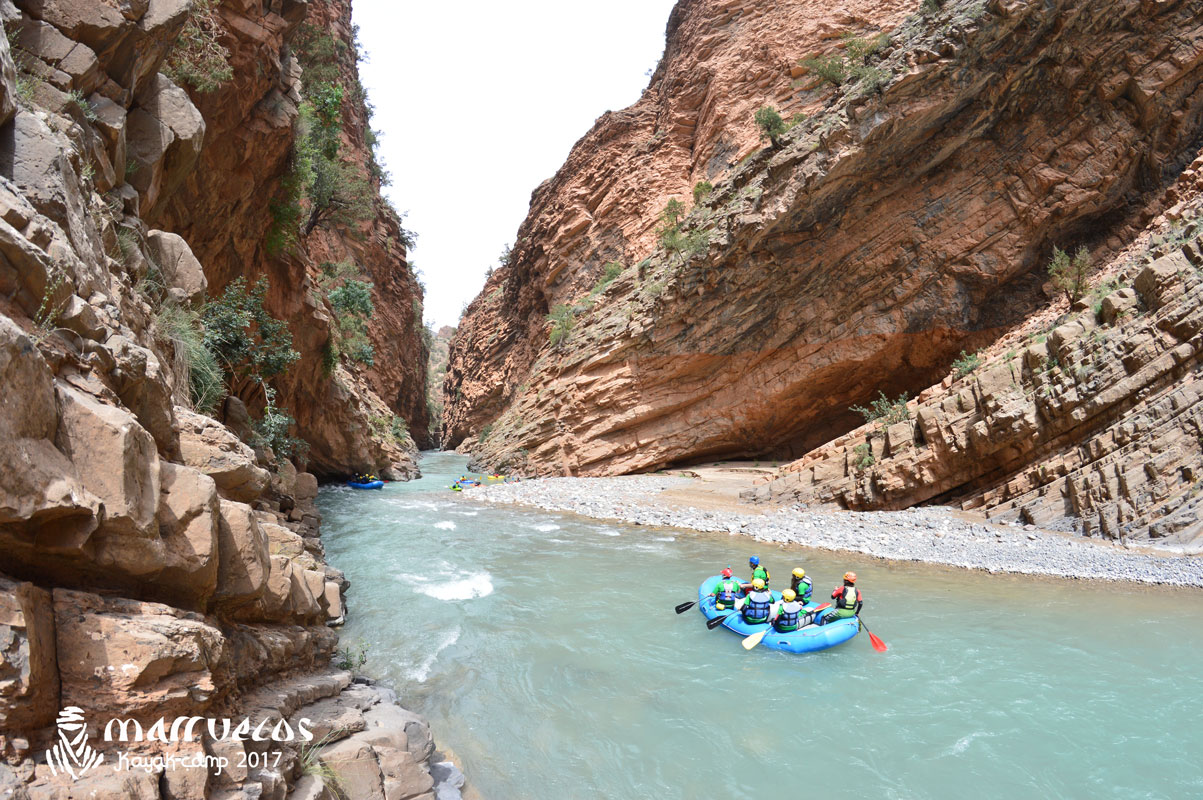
{"points": [[351, 303], [562, 319], [249, 343], [771, 125], [702, 190], [198, 58], [884, 409], [1069, 274]]}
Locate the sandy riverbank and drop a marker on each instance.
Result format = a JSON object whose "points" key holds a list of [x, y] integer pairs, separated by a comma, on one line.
{"points": [[710, 502]]}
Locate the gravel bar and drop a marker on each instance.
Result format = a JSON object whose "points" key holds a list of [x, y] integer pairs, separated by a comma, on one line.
{"points": [[931, 534]]}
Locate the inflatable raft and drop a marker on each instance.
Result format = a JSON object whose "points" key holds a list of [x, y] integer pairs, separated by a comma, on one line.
{"points": [[368, 485], [804, 640]]}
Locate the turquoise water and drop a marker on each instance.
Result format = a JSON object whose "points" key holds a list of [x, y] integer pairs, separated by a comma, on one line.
{"points": [[545, 652]]}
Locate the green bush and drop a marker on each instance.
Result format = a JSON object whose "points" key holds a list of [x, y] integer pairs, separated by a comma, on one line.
{"points": [[966, 364], [194, 363], [1069, 274], [245, 339], [702, 190], [864, 456], [562, 319], [770, 124], [830, 68], [274, 429], [353, 297], [198, 58], [884, 409]]}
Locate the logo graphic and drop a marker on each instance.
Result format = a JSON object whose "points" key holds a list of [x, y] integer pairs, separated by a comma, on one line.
{"points": [[72, 754]]}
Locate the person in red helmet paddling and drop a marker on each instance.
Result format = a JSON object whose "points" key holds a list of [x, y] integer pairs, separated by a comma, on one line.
{"points": [[848, 600], [726, 591]]}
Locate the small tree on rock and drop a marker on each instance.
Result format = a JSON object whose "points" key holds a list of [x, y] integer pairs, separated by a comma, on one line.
{"points": [[771, 125], [1069, 274]]}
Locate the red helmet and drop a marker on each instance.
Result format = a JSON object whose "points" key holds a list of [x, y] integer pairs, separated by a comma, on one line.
{"points": [[727, 572], [850, 577]]}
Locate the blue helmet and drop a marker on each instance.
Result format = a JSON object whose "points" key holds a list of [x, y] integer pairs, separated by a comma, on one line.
{"points": [[754, 561]]}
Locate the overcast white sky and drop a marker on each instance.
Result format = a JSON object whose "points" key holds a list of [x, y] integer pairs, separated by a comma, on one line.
{"points": [[479, 102]]}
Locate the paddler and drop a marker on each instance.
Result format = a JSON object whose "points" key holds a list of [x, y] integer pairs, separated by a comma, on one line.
{"points": [[787, 614], [848, 600], [726, 591], [801, 585], [757, 572], [757, 605]]}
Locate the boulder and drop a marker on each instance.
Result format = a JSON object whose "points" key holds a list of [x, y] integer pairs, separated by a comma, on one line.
{"points": [[306, 487], [124, 658], [40, 488], [140, 381], [165, 135], [75, 60], [215, 451], [118, 462], [34, 158], [29, 683], [110, 124], [243, 553], [332, 599], [188, 524], [356, 769], [179, 266]]}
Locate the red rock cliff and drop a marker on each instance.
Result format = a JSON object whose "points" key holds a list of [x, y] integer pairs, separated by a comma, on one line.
{"points": [[223, 209], [906, 216]]}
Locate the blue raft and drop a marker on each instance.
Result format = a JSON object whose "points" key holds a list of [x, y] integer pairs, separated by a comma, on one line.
{"points": [[368, 485], [804, 640]]}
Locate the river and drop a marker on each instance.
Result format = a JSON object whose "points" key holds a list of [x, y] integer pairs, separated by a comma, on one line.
{"points": [[545, 652]]}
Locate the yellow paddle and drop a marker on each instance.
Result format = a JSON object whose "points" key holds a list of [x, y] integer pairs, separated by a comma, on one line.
{"points": [[755, 638]]}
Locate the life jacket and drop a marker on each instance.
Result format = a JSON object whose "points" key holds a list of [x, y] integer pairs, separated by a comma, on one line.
{"points": [[727, 591], [848, 598], [758, 607], [787, 620], [762, 573], [802, 586]]}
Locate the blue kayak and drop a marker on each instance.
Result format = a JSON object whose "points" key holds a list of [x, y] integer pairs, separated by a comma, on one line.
{"points": [[368, 485], [804, 640]]}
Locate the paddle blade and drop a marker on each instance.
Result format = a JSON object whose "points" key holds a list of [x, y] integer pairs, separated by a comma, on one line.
{"points": [[681, 609], [878, 644], [714, 623], [754, 639]]}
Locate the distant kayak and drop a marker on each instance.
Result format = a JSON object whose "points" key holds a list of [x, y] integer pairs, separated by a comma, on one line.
{"points": [[368, 485], [810, 639]]}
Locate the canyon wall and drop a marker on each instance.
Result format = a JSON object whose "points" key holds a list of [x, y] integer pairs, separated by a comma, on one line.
{"points": [[1089, 420], [154, 561], [903, 215]]}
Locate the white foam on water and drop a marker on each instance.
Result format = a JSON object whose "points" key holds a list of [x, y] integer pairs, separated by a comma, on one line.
{"points": [[665, 539], [478, 584], [963, 743], [466, 513], [445, 525], [422, 671], [547, 528], [609, 532]]}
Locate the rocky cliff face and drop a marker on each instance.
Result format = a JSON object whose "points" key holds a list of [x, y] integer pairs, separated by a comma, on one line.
{"points": [[224, 209], [1086, 420], [906, 215], [153, 561]]}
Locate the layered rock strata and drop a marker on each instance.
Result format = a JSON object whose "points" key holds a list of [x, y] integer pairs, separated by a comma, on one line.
{"points": [[898, 223], [155, 562], [1090, 423]]}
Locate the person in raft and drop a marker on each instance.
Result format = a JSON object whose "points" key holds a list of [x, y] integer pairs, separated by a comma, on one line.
{"points": [[787, 615], [757, 605], [726, 591], [848, 600], [757, 572], [801, 585]]}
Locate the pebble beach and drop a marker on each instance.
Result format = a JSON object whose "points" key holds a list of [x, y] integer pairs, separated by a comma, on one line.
{"points": [[931, 534]]}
